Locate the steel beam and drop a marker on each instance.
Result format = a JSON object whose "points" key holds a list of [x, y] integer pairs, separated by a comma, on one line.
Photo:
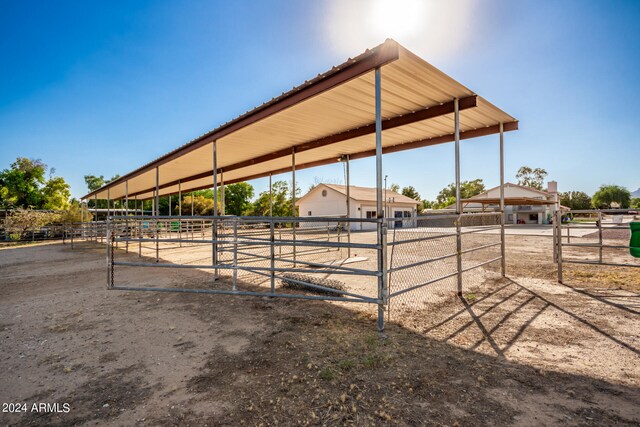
{"points": [[383, 292], [293, 200], [456, 118], [348, 181], [214, 228], [503, 262]]}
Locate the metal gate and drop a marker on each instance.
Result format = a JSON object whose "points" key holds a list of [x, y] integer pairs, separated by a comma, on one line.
{"points": [[593, 237]]}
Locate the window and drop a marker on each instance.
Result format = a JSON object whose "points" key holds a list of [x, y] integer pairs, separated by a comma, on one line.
{"points": [[371, 214], [533, 217], [407, 214], [324, 193], [309, 214]]}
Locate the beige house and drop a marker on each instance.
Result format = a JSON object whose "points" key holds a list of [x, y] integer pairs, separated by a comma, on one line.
{"points": [[523, 205], [330, 200]]}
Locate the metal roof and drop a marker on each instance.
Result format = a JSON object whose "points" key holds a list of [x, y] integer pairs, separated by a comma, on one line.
{"points": [[322, 120]]}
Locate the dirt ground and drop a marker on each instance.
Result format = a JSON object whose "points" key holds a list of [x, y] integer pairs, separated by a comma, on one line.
{"points": [[518, 351]]}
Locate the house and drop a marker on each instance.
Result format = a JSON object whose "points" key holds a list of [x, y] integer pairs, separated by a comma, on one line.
{"points": [[330, 200], [523, 205]]}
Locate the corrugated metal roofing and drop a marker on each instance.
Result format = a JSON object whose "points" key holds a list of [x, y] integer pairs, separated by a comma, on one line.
{"points": [[323, 119]]}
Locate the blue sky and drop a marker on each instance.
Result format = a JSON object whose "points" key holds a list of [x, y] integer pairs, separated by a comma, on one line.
{"points": [[104, 87]]}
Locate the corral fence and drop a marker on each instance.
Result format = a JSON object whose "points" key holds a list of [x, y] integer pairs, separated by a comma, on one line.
{"points": [[593, 237], [10, 233], [304, 257]]}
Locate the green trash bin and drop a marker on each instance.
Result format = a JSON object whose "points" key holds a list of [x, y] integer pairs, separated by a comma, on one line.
{"points": [[634, 243]]}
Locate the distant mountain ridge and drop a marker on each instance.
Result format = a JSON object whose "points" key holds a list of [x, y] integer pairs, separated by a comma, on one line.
{"points": [[636, 193]]}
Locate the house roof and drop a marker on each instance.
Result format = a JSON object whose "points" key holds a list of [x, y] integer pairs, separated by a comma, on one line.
{"points": [[363, 194], [508, 201], [484, 199], [510, 184], [321, 120]]}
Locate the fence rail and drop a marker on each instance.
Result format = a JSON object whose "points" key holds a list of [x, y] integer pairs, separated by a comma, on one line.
{"points": [[361, 260], [602, 246]]}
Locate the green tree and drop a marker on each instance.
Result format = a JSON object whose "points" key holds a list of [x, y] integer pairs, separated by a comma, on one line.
{"points": [[635, 203], [73, 213], [575, 200], [412, 193], [609, 194], [20, 186], [530, 177], [395, 188], [201, 205], [426, 204], [237, 198], [55, 194], [447, 196], [281, 201], [93, 183], [22, 222]]}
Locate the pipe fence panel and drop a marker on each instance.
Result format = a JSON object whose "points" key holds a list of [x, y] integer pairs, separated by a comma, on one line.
{"points": [[291, 257], [423, 260], [309, 258], [593, 237]]}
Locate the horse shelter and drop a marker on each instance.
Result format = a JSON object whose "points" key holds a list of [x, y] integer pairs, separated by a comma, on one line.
{"points": [[383, 101]]}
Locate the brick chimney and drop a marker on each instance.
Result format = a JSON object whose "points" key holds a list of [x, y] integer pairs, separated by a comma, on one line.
{"points": [[552, 189]]}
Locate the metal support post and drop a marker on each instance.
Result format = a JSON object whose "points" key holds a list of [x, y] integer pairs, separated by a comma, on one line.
{"points": [[272, 255], [235, 254], [191, 223], [503, 261], [109, 260], [348, 179], [95, 209], [157, 213], [558, 221], [126, 213], [458, 201], [555, 238], [214, 230], [270, 196], [383, 293], [140, 225], [600, 236], [222, 202], [180, 212], [293, 200]]}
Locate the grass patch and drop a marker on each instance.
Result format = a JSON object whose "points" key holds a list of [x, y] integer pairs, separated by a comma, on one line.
{"points": [[346, 364], [372, 361], [327, 374]]}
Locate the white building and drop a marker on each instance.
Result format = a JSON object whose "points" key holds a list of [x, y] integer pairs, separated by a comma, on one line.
{"points": [[523, 205], [329, 200]]}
